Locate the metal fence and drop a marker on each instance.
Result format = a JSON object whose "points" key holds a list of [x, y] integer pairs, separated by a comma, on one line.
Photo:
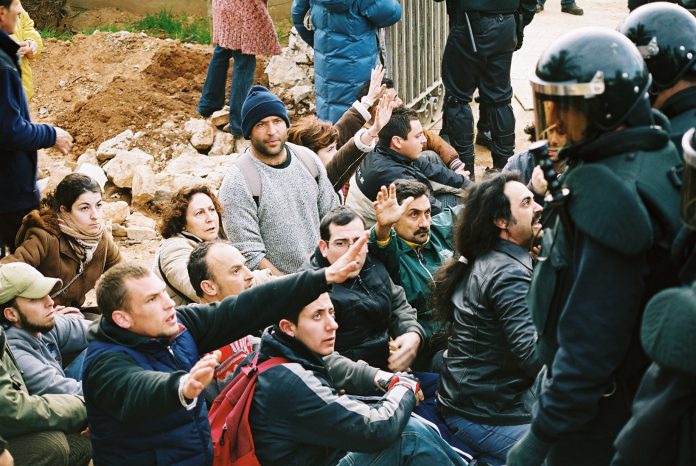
{"points": [[414, 48]]}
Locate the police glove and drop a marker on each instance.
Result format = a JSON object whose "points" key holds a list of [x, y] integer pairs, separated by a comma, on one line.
{"points": [[530, 451]]}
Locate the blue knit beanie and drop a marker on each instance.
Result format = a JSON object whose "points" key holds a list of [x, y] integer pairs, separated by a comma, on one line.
{"points": [[259, 104]]}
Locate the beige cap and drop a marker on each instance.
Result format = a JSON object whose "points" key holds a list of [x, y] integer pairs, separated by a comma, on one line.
{"points": [[20, 279]]}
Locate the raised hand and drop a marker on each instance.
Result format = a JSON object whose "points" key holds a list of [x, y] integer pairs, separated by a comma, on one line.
{"points": [[376, 87], [200, 375], [387, 208]]}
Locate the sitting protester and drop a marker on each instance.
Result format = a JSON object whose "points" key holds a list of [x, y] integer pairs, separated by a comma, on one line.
{"points": [[40, 430], [413, 245], [191, 217], [39, 337], [369, 308], [144, 375], [399, 155], [67, 239], [218, 270], [490, 364], [298, 418]]}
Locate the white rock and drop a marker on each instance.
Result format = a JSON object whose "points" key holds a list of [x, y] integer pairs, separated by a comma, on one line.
{"points": [[118, 231], [89, 156], [136, 219], [208, 170], [284, 72], [223, 144], [93, 171], [202, 133], [58, 172], [117, 211], [144, 185], [109, 148], [220, 118], [138, 233], [121, 168], [301, 93]]}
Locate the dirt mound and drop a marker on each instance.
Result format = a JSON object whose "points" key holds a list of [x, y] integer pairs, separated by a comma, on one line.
{"points": [[99, 85]]}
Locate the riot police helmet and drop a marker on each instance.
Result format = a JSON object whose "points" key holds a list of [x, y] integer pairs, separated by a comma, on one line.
{"points": [[665, 35], [588, 83]]}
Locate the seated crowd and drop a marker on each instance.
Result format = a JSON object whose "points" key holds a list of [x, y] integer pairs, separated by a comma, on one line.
{"points": [[384, 293]]}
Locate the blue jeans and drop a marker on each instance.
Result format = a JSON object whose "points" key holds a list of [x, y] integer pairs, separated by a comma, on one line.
{"points": [[418, 445], [74, 369], [492, 443], [213, 95]]}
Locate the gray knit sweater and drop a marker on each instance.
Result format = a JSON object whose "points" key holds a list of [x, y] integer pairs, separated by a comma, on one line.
{"points": [[284, 228]]}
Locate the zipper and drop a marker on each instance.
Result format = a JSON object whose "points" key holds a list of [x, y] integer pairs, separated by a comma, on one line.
{"points": [[420, 261]]}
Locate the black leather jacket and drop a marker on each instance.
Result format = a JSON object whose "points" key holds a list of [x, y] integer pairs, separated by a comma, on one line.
{"points": [[490, 362]]}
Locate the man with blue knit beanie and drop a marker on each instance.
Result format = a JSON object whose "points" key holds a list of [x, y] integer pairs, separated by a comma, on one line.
{"points": [[276, 193]]}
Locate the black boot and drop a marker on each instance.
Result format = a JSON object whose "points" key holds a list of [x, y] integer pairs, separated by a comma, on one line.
{"points": [[572, 9], [499, 161], [470, 165]]}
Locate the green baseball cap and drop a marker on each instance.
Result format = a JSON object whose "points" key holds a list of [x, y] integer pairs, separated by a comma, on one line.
{"points": [[20, 279]]}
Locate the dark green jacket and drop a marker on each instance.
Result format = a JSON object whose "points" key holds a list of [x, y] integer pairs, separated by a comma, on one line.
{"points": [[414, 268], [681, 111]]}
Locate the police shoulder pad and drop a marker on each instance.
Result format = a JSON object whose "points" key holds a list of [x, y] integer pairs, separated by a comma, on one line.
{"points": [[608, 210]]}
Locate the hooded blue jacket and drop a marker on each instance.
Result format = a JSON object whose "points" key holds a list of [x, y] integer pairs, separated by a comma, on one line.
{"points": [[344, 38]]}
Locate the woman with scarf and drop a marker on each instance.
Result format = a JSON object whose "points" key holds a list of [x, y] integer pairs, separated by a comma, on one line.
{"points": [[67, 239]]}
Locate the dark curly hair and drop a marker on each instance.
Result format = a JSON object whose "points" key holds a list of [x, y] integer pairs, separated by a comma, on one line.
{"points": [[475, 234], [173, 218]]}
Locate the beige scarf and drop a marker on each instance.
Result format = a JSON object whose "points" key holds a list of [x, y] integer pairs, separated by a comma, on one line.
{"points": [[84, 244]]}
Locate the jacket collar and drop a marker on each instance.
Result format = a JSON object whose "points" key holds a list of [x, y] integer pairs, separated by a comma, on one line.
{"points": [[388, 152], [680, 102], [515, 251], [9, 46], [276, 343], [644, 138]]}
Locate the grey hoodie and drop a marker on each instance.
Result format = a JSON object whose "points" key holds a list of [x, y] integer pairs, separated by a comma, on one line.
{"points": [[39, 358]]}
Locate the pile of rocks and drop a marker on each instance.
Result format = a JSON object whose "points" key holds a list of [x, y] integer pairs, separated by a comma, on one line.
{"points": [[291, 76], [127, 172]]}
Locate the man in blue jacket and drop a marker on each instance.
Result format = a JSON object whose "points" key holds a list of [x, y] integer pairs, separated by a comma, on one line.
{"points": [[19, 137], [145, 372], [343, 34]]}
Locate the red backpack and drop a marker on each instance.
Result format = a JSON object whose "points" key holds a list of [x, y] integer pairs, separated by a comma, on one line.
{"points": [[229, 416]]}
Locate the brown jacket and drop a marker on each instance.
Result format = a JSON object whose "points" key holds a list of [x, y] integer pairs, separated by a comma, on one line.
{"points": [[41, 245]]}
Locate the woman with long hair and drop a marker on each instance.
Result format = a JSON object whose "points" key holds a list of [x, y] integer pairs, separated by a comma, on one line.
{"points": [[67, 239]]}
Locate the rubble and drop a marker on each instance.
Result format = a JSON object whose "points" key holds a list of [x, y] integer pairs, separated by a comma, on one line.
{"points": [[121, 167], [202, 133], [109, 148]]}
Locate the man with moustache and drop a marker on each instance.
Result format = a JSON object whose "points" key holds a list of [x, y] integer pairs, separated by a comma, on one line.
{"points": [[413, 245], [277, 227]]}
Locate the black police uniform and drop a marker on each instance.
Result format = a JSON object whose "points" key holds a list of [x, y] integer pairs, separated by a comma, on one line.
{"points": [[608, 250], [478, 54]]}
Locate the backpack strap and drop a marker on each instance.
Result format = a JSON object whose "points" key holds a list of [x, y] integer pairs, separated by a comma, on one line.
{"points": [[250, 174], [307, 157]]}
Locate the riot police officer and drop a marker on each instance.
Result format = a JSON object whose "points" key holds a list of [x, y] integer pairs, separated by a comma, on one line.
{"points": [[608, 250], [478, 54], [666, 38], [661, 430]]}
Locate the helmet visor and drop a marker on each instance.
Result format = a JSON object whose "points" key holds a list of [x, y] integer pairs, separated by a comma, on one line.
{"points": [[562, 120]]}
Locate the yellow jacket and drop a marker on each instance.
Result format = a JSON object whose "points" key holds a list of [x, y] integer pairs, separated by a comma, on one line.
{"points": [[24, 29]]}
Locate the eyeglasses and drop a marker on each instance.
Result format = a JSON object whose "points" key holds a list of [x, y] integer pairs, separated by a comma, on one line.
{"points": [[343, 243]]}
